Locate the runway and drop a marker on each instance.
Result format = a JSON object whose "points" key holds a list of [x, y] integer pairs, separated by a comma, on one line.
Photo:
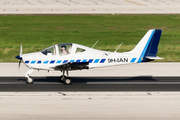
{"points": [[150, 76], [90, 84]]}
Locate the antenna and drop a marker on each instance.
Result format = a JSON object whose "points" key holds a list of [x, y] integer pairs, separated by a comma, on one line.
{"points": [[95, 43], [118, 47]]}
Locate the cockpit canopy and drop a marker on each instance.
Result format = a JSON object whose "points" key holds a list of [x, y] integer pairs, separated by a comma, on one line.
{"points": [[61, 49]]}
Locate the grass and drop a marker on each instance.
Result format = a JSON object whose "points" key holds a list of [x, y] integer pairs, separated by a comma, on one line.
{"points": [[37, 32]]}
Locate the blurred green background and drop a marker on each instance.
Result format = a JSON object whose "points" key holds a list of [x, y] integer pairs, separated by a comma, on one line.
{"points": [[37, 32]]}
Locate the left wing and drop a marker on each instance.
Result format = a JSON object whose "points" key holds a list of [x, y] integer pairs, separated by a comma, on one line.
{"points": [[72, 66]]}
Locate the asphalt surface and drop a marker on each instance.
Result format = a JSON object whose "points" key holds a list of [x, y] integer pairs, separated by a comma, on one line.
{"points": [[140, 83]]}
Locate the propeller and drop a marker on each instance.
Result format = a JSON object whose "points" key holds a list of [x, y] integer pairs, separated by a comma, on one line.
{"points": [[19, 56]]}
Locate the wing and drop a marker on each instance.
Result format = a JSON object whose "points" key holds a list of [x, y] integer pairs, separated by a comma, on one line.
{"points": [[72, 66]]}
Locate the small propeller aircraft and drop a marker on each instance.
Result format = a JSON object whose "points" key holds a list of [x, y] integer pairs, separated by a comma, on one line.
{"points": [[70, 56]]}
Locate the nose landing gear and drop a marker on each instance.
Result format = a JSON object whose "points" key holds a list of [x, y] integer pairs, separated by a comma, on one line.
{"points": [[28, 79]]}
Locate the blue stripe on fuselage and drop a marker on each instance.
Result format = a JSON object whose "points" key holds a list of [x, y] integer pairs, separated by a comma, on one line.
{"points": [[39, 62], [65, 61], [33, 62], [102, 60], [46, 62], [26, 61], [59, 61], [52, 62], [96, 60]]}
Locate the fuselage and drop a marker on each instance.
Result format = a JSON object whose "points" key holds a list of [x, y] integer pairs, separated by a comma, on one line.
{"points": [[53, 56]]}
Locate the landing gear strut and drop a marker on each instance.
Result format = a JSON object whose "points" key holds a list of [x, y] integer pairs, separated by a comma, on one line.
{"points": [[64, 79], [28, 79]]}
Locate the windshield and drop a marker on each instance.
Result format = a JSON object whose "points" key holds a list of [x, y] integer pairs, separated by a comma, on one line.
{"points": [[49, 50]]}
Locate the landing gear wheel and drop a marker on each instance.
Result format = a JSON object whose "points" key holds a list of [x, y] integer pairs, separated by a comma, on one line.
{"points": [[67, 81], [29, 80]]}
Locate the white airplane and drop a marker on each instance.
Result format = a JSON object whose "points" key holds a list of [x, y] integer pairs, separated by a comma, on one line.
{"points": [[70, 56]]}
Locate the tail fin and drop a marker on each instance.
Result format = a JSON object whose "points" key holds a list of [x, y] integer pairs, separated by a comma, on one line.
{"points": [[147, 48]]}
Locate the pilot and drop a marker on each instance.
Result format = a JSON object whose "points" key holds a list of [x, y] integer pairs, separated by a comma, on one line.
{"points": [[63, 50]]}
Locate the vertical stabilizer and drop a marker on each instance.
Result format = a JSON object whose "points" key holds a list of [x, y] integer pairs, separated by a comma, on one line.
{"points": [[147, 48]]}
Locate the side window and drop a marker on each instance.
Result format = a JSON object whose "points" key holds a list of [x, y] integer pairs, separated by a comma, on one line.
{"points": [[79, 50], [64, 49]]}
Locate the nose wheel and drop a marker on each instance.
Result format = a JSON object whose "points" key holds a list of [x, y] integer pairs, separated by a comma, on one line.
{"points": [[29, 80]]}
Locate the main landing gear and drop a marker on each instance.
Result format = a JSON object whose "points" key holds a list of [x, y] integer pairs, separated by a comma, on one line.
{"points": [[65, 79]]}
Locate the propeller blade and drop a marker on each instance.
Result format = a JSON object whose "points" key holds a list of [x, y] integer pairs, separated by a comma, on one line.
{"points": [[20, 54], [19, 64]]}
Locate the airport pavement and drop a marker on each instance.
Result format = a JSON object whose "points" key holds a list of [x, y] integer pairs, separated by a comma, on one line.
{"points": [[90, 105], [89, 7]]}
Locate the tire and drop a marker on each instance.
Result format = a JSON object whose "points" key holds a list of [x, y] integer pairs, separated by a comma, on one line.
{"points": [[67, 81], [29, 80]]}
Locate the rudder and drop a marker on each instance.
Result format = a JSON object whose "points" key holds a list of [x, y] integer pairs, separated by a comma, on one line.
{"points": [[153, 46]]}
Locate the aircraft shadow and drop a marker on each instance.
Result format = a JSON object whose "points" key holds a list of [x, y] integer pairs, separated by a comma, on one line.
{"points": [[97, 79]]}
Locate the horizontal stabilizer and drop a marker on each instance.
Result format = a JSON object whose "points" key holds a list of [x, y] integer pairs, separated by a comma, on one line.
{"points": [[153, 58]]}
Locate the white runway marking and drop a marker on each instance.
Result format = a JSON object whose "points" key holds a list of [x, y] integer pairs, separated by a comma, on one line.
{"points": [[134, 83]]}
